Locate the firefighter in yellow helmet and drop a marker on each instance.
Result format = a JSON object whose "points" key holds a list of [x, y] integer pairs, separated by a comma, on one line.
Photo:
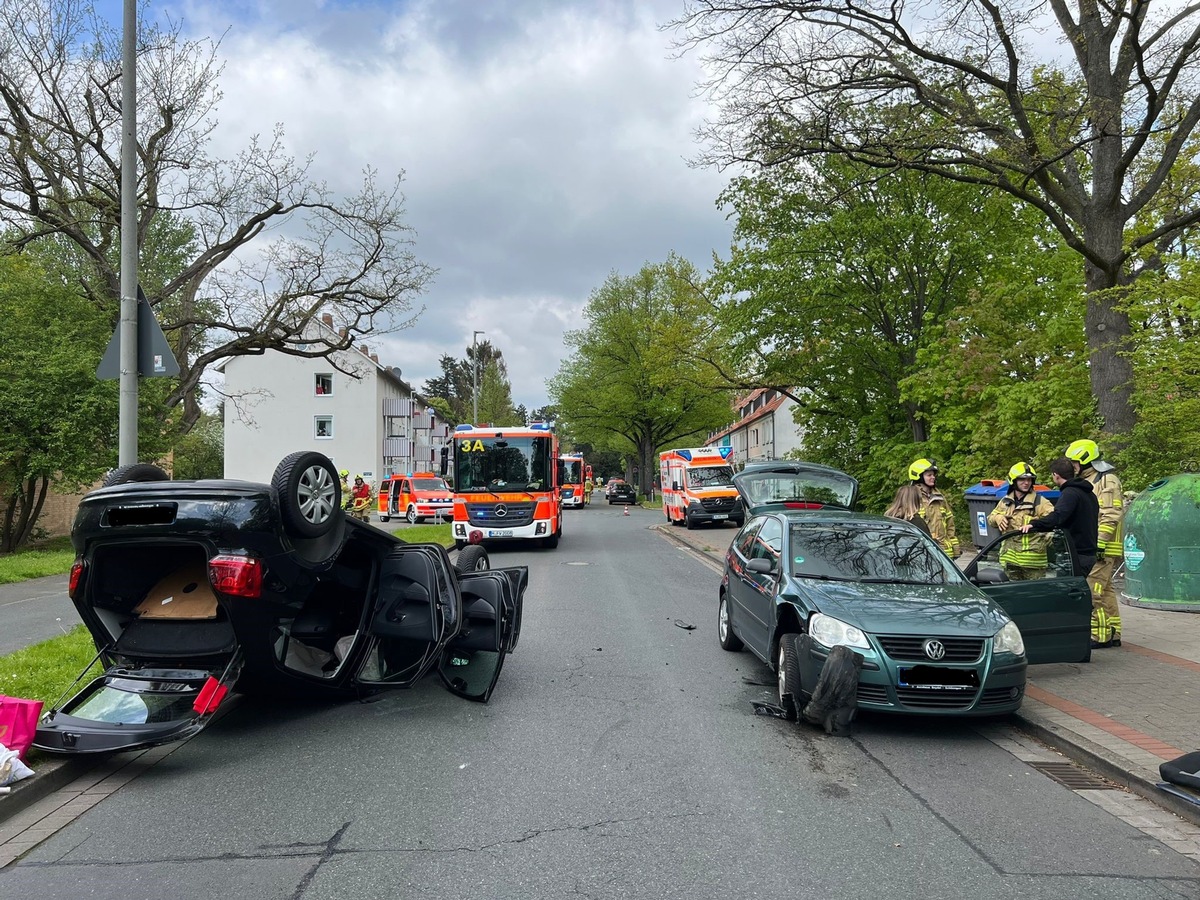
{"points": [[1024, 558], [1106, 612], [935, 509], [345, 476]]}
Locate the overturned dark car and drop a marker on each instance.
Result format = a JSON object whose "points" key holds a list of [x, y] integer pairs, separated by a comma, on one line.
{"points": [[192, 588]]}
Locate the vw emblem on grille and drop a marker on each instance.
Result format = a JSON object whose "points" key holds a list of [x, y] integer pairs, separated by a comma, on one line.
{"points": [[501, 511], [934, 649]]}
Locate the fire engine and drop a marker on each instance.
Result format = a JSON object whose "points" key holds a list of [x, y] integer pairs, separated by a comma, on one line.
{"points": [[572, 473], [417, 497], [697, 487], [506, 484]]}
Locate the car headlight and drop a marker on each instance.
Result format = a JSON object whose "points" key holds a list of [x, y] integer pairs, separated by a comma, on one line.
{"points": [[832, 632], [1008, 640]]}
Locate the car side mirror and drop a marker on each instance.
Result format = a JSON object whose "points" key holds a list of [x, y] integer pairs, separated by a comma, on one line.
{"points": [[674, 485], [761, 566]]}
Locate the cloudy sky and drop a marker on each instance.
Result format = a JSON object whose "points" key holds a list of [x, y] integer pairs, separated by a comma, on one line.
{"points": [[545, 144]]}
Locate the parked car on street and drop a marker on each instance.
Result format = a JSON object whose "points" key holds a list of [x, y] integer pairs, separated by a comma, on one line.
{"points": [[934, 640], [622, 492], [192, 588]]}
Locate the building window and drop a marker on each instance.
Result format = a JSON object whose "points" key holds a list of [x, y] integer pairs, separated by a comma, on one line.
{"points": [[324, 383], [323, 426], [397, 426]]}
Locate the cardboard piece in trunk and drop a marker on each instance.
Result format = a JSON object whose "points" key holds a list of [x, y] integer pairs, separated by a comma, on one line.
{"points": [[184, 594]]}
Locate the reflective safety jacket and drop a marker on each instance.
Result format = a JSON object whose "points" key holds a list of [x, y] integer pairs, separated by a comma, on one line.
{"points": [[940, 519], [1013, 511], [1112, 509]]}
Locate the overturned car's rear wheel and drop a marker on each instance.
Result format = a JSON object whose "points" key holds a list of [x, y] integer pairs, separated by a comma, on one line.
{"points": [[472, 558], [137, 472], [309, 493]]}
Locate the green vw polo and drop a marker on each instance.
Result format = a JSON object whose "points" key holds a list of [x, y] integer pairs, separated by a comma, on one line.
{"points": [[934, 639]]}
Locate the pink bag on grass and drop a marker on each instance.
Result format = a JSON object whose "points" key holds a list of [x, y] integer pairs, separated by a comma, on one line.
{"points": [[18, 722]]}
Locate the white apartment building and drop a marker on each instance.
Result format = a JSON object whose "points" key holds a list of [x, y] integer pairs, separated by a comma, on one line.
{"points": [[765, 428], [365, 418]]}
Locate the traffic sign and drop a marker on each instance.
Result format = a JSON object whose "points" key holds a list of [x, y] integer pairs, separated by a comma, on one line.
{"points": [[154, 356]]}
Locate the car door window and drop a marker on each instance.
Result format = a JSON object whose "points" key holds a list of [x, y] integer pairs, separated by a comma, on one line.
{"points": [[768, 543], [1026, 557], [745, 541]]}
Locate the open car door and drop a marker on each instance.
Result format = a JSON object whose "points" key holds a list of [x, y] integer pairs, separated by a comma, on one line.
{"points": [[492, 605], [1054, 611]]}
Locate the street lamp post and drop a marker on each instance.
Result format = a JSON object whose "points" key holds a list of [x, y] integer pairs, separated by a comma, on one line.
{"points": [[475, 376]]}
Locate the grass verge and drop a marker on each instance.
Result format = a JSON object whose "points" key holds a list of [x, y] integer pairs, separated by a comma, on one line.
{"points": [[43, 671], [53, 557], [423, 534]]}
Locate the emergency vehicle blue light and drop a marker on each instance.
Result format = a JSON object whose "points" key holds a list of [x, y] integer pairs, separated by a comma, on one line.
{"points": [[539, 426], [686, 454], [462, 427], [726, 452]]}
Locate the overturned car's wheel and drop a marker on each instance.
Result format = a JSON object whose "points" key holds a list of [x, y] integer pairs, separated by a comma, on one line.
{"points": [[472, 558], [135, 473], [309, 493]]}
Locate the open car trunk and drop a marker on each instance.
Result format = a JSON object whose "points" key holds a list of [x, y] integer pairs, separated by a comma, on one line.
{"points": [[167, 647]]}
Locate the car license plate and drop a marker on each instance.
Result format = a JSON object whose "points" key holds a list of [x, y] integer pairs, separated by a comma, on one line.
{"points": [[493, 533], [935, 678], [720, 516]]}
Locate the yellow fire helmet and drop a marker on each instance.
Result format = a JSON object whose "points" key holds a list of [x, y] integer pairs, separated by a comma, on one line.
{"points": [[1083, 451], [1021, 470], [919, 468], [345, 473]]}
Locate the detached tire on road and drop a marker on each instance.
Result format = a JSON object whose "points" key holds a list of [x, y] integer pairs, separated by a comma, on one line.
{"points": [[309, 493], [138, 472], [472, 558]]}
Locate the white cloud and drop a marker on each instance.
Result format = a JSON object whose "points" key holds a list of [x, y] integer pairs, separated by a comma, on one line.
{"points": [[544, 146]]}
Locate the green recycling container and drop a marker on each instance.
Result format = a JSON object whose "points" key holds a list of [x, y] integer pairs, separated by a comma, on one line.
{"points": [[1162, 545]]}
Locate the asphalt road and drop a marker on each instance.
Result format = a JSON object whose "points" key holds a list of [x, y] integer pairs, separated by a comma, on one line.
{"points": [[32, 611], [619, 758]]}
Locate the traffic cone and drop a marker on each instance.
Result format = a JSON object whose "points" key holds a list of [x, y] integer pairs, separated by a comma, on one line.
{"points": [[626, 509]]}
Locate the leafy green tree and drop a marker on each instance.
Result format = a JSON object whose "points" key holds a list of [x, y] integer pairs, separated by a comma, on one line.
{"points": [[495, 396], [57, 422], [633, 382], [1088, 141], [201, 452]]}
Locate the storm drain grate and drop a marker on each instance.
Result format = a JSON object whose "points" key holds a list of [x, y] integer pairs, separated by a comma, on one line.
{"points": [[1070, 776]]}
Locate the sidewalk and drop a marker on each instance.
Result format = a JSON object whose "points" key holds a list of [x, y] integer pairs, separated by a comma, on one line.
{"points": [[1121, 715]]}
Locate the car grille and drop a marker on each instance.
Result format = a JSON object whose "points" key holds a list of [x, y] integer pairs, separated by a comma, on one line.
{"points": [[872, 693], [484, 514], [998, 696], [910, 648], [718, 504], [923, 699]]}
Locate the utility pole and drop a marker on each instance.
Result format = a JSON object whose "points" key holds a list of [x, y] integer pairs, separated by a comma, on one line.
{"points": [[475, 376], [127, 411]]}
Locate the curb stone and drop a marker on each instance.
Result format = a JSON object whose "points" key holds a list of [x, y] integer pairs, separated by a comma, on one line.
{"points": [[50, 775]]}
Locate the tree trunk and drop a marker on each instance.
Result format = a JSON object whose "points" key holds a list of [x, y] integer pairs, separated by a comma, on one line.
{"points": [[1108, 334]]}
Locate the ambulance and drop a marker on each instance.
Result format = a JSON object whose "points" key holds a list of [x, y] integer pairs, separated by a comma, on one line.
{"points": [[417, 497], [572, 473], [697, 487], [505, 484]]}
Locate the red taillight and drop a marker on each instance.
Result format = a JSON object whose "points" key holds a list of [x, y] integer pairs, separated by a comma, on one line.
{"points": [[238, 576], [76, 577], [803, 504]]}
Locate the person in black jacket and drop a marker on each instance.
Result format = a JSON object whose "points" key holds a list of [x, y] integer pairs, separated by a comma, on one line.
{"points": [[1077, 512]]}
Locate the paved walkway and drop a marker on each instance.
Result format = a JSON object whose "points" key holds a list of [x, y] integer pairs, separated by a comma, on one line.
{"points": [[1123, 714]]}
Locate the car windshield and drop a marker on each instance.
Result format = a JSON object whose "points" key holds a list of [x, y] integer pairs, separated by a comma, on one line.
{"points": [[497, 462], [570, 471], [776, 486], [710, 476], [864, 551], [429, 484]]}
